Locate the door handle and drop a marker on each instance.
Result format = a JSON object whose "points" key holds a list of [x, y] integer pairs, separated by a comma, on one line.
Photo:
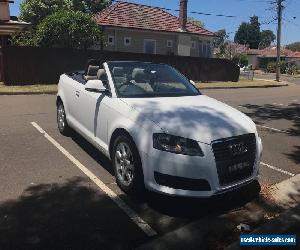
{"points": [[77, 93]]}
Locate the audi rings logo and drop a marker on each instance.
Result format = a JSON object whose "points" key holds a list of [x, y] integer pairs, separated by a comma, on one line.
{"points": [[238, 149]]}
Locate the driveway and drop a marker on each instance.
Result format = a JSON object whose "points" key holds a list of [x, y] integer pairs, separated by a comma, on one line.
{"points": [[60, 193]]}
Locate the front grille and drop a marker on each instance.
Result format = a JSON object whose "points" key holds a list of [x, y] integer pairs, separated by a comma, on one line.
{"points": [[181, 182], [235, 157]]}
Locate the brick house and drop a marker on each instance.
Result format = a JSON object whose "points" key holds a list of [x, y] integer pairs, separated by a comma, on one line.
{"points": [[130, 27], [8, 25]]}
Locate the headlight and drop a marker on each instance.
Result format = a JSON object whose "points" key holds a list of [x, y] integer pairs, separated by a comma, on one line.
{"points": [[176, 144]]}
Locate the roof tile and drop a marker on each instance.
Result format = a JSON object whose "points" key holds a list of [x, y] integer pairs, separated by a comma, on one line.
{"points": [[136, 16]]}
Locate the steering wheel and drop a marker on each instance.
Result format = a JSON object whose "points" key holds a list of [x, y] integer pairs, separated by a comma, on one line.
{"points": [[124, 84]]}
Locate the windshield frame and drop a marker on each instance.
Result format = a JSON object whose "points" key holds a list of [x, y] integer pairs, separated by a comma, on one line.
{"points": [[119, 95]]}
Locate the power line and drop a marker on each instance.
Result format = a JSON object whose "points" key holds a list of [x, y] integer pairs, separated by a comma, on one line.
{"points": [[192, 12]]}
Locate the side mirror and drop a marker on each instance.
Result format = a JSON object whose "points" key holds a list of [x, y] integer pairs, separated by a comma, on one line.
{"points": [[192, 82], [95, 86]]}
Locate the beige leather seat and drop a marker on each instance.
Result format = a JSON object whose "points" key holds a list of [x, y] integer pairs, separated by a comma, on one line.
{"points": [[141, 79], [92, 73], [101, 75]]}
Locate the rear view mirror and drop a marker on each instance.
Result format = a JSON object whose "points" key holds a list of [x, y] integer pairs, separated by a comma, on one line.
{"points": [[95, 86]]}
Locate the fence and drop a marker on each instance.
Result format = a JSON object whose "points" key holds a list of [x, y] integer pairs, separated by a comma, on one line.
{"points": [[1, 67], [25, 65]]}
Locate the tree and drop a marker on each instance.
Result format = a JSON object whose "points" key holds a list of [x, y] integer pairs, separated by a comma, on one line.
{"points": [[34, 11], [67, 29], [196, 22], [249, 33], [221, 38], [221, 42], [242, 36], [254, 32], [266, 38], [294, 46]]}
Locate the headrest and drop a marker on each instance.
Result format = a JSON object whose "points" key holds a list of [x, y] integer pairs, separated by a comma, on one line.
{"points": [[101, 74], [139, 75], [92, 70]]}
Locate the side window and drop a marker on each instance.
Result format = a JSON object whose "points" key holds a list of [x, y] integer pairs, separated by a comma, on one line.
{"points": [[169, 43], [193, 44], [111, 40], [127, 41]]}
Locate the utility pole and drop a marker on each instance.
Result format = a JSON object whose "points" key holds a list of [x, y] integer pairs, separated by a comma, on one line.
{"points": [[279, 20]]}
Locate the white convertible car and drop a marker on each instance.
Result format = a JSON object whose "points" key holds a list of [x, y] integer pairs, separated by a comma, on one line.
{"points": [[160, 132]]}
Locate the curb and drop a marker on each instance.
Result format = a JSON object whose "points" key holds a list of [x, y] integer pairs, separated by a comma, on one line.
{"points": [[29, 93], [286, 223], [194, 235], [286, 195]]}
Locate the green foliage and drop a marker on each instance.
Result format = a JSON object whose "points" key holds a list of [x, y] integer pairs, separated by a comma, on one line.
{"points": [[266, 38], [292, 70], [271, 67], [294, 46], [25, 38], [67, 29], [63, 29], [249, 33], [241, 59], [34, 11], [221, 38], [196, 22]]}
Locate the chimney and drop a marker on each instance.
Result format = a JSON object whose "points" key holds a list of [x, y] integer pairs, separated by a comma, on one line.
{"points": [[183, 14], [4, 10]]}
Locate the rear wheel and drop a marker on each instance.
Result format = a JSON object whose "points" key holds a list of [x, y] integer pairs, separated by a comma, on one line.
{"points": [[127, 165], [62, 123]]}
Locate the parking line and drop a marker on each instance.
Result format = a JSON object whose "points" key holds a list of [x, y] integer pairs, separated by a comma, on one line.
{"points": [[115, 198], [277, 169], [274, 129]]}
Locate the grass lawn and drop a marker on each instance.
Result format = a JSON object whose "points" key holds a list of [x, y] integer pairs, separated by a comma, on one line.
{"points": [[243, 83], [38, 88]]}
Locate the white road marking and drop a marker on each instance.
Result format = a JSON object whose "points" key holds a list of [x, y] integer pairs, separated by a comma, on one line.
{"points": [[277, 169], [131, 213], [274, 129]]}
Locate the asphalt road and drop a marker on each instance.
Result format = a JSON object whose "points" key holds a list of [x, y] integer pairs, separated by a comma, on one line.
{"points": [[47, 202]]}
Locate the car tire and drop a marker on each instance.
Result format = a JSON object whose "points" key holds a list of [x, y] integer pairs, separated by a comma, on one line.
{"points": [[127, 166], [62, 123]]}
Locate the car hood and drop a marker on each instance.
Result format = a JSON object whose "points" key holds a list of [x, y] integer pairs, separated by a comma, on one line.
{"points": [[196, 117]]}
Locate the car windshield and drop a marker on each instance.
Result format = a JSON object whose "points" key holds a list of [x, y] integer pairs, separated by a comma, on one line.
{"points": [[137, 79]]}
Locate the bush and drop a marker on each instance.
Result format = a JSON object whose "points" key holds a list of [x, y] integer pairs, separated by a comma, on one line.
{"points": [[271, 67], [67, 29], [292, 70], [240, 59]]}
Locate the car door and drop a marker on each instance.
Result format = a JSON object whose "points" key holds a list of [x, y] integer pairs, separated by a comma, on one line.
{"points": [[71, 86], [91, 113]]}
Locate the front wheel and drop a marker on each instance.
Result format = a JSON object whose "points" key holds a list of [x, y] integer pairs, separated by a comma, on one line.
{"points": [[62, 124], [127, 165]]}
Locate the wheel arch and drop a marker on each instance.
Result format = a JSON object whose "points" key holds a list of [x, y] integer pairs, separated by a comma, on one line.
{"points": [[58, 100], [117, 132]]}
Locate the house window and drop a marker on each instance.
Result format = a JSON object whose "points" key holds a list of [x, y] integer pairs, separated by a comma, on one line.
{"points": [[149, 46], [204, 49], [111, 40], [169, 43], [193, 44], [127, 41]]}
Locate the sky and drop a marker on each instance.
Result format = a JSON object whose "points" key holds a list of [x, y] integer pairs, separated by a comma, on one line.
{"points": [[241, 9]]}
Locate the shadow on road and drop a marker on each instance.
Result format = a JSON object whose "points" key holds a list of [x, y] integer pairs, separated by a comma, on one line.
{"points": [[70, 215], [270, 112]]}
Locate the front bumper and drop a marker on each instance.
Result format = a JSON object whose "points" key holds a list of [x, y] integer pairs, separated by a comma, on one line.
{"points": [[193, 169]]}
